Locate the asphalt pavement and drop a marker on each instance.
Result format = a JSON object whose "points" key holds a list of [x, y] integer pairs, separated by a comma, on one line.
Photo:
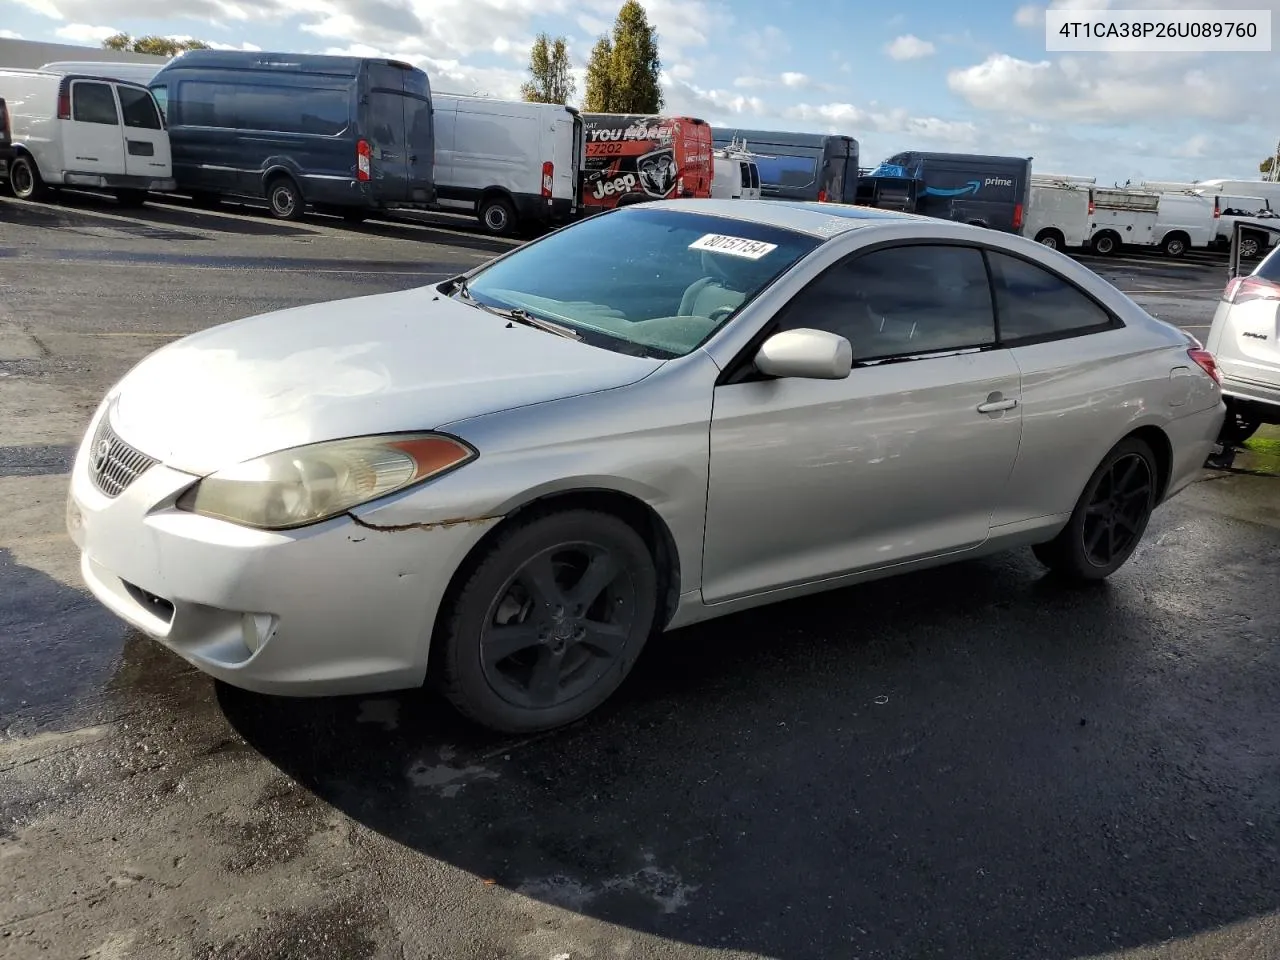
{"points": [[968, 762]]}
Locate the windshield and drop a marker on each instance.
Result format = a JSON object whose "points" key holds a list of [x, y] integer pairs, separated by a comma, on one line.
{"points": [[650, 282]]}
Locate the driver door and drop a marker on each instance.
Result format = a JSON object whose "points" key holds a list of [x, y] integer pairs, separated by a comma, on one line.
{"points": [[904, 459]]}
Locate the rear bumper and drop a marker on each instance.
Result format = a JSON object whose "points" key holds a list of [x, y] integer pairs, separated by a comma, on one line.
{"points": [[118, 181], [1242, 389]]}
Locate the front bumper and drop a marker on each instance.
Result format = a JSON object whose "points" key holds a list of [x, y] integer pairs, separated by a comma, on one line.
{"points": [[118, 181], [335, 608]]}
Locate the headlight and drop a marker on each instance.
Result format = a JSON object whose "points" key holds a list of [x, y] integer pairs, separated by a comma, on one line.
{"points": [[304, 485]]}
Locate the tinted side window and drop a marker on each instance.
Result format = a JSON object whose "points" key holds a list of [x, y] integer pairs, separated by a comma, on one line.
{"points": [[1269, 269], [251, 106], [901, 301], [138, 108], [93, 103], [1032, 302]]}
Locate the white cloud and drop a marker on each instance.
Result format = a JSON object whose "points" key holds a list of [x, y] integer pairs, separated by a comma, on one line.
{"points": [[683, 97], [795, 80], [765, 44], [9, 35], [250, 47], [84, 33], [1029, 15], [1195, 147], [896, 122], [1098, 89], [909, 47]]}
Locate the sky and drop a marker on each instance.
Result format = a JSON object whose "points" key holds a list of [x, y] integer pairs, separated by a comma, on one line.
{"points": [[917, 74]]}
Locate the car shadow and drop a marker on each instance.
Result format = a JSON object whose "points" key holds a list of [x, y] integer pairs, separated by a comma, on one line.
{"points": [[970, 761], [155, 220]]}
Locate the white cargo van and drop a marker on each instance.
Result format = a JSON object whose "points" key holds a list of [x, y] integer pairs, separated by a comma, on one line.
{"points": [[1122, 216], [1184, 221], [734, 175], [1267, 190], [112, 70], [1058, 210], [509, 162], [82, 131]]}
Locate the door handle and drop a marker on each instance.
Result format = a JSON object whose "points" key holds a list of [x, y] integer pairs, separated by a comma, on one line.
{"points": [[995, 406]]}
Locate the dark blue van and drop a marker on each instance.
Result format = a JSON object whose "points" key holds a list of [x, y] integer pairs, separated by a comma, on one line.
{"points": [[800, 166], [985, 190], [345, 135]]}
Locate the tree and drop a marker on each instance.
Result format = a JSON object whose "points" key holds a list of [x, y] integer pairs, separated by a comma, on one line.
{"points": [[622, 74], [156, 46], [549, 78], [599, 94], [635, 62]]}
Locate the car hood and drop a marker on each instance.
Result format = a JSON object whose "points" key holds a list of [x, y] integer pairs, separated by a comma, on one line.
{"points": [[412, 360]]}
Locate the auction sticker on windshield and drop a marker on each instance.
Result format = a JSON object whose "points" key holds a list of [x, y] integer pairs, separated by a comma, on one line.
{"points": [[737, 246]]}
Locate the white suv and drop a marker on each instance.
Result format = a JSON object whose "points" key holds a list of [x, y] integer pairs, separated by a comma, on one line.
{"points": [[1245, 341]]}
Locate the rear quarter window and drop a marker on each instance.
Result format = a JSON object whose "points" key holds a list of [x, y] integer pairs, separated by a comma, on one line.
{"points": [[1035, 304]]}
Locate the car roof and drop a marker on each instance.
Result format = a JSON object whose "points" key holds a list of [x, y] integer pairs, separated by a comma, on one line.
{"points": [[822, 220]]}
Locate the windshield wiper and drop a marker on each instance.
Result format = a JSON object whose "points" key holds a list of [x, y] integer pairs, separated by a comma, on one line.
{"points": [[515, 314], [520, 315]]}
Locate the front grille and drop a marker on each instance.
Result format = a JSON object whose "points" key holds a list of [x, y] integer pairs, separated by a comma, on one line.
{"points": [[114, 464]]}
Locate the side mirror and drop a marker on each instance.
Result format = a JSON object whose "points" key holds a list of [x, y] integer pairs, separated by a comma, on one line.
{"points": [[806, 354]]}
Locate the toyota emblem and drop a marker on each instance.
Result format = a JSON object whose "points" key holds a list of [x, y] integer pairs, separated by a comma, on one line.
{"points": [[100, 455]]}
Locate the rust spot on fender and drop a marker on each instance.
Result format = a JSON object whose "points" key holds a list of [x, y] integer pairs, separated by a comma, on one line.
{"points": [[437, 525]]}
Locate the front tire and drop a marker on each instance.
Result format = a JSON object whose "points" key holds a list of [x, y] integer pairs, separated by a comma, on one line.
{"points": [[498, 217], [1051, 239], [1110, 517], [548, 623]]}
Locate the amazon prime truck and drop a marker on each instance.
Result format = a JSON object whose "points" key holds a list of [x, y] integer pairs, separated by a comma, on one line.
{"points": [[988, 191]]}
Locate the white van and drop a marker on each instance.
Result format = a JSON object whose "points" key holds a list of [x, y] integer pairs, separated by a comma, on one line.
{"points": [[1267, 190], [1184, 221], [1122, 216], [112, 70], [509, 162], [1058, 210], [734, 177], [82, 131]]}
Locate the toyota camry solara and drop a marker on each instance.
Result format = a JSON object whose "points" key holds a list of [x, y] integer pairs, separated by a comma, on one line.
{"points": [[505, 483]]}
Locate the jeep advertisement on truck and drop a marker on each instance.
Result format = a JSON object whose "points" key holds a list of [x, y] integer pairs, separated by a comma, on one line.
{"points": [[633, 159]]}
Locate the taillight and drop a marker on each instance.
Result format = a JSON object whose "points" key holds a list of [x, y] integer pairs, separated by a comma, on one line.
{"points": [[364, 160], [548, 178], [1017, 217], [64, 105], [822, 196], [1244, 289], [1091, 206], [1204, 360], [1217, 212]]}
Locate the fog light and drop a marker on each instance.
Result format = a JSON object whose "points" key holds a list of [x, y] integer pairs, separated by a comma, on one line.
{"points": [[256, 629]]}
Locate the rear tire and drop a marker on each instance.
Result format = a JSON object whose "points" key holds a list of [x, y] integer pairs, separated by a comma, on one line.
{"points": [[1105, 244], [25, 180], [1174, 246], [1110, 517], [497, 216], [1240, 424], [131, 198], [1250, 246], [285, 199], [1051, 239], [518, 652]]}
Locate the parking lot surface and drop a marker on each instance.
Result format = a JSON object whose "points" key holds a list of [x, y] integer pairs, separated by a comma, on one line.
{"points": [[967, 762]]}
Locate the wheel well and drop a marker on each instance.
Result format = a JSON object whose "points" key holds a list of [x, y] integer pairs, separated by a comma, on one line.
{"points": [[1159, 443], [1177, 235], [491, 193], [1107, 233], [631, 510], [1051, 232], [279, 173]]}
